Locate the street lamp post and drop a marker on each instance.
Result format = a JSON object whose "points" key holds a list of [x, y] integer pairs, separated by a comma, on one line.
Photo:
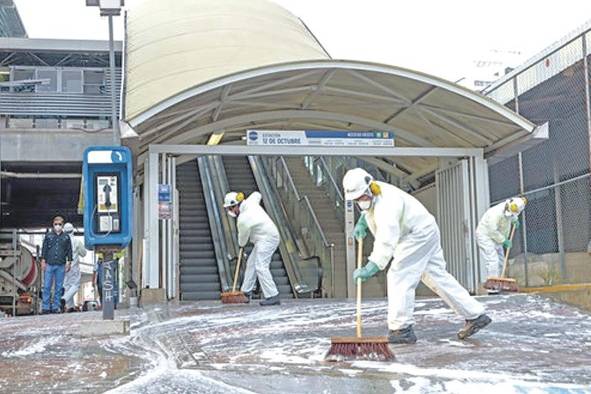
{"points": [[111, 8]]}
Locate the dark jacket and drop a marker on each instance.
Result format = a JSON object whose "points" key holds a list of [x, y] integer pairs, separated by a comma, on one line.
{"points": [[57, 248]]}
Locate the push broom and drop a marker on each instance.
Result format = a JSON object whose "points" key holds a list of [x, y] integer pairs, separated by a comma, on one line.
{"points": [[235, 297], [503, 283], [359, 347]]}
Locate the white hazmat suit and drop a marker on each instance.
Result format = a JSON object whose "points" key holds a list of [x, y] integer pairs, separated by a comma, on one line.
{"points": [[493, 229], [72, 278], [405, 231], [254, 224]]}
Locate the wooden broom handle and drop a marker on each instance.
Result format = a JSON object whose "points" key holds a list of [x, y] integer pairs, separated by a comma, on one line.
{"points": [[506, 261], [237, 269], [359, 259]]}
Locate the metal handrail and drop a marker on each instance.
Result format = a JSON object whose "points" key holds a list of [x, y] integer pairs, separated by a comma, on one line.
{"points": [[288, 246], [303, 214], [215, 224], [331, 178]]}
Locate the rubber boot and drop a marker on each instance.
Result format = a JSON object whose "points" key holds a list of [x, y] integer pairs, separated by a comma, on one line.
{"points": [[404, 336], [270, 301], [248, 297], [473, 326]]}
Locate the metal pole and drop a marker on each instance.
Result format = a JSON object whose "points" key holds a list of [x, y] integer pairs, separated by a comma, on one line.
{"points": [[107, 298], [14, 273], [114, 117], [559, 221], [524, 227], [587, 98]]}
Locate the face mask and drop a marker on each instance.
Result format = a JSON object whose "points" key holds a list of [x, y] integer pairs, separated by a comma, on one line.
{"points": [[232, 213], [365, 204]]}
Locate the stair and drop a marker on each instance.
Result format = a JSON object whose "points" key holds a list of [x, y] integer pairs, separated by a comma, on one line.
{"points": [[333, 227], [199, 277], [241, 179]]}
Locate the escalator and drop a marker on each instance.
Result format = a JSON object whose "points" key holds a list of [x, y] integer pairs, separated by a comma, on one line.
{"points": [[241, 178], [199, 273]]}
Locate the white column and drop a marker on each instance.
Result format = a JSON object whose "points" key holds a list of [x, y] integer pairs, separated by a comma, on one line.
{"points": [[153, 252]]}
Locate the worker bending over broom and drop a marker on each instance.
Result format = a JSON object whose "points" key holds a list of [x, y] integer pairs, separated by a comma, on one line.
{"points": [[255, 225], [492, 232], [406, 234]]}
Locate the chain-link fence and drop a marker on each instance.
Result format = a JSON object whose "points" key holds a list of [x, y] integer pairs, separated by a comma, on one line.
{"points": [[552, 244]]}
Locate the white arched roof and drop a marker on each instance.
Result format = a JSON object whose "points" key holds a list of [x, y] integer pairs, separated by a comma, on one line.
{"points": [[174, 44], [197, 67]]}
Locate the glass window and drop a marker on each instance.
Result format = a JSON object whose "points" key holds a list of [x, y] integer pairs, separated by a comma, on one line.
{"points": [[95, 124], [94, 81], [23, 75], [73, 123], [46, 123], [72, 81], [20, 123], [47, 74]]}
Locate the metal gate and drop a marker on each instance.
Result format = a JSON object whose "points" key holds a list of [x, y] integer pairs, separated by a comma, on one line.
{"points": [[458, 213]]}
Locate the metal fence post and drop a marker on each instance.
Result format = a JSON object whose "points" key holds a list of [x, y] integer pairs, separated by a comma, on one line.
{"points": [[524, 227]]}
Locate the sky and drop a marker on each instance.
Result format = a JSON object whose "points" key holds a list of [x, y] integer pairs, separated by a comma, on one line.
{"points": [[438, 37]]}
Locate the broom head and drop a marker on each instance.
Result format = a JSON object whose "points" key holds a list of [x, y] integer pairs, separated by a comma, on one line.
{"points": [[501, 284], [359, 348], [234, 297]]}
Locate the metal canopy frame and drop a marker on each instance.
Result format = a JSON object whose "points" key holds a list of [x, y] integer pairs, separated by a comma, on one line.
{"points": [[422, 110], [158, 156]]}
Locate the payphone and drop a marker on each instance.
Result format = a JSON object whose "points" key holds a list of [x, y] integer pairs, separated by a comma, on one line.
{"points": [[108, 212], [107, 176]]}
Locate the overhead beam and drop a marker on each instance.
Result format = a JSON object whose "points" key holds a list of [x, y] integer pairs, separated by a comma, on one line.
{"points": [[246, 150]]}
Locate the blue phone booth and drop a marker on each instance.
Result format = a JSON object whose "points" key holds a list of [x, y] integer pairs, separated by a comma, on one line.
{"points": [[108, 185]]}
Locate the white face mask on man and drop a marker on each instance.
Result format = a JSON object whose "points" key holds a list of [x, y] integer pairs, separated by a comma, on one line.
{"points": [[364, 205], [232, 213]]}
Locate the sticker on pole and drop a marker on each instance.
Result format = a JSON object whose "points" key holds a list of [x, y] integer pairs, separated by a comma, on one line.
{"points": [[319, 138]]}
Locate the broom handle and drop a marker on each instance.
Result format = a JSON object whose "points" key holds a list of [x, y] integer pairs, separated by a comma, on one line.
{"points": [[237, 269], [359, 258], [506, 262]]}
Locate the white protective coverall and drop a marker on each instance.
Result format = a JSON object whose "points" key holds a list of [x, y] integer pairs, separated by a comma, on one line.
{"points": [[492, 230], [72, 278], [404, 230], [254, 224]]}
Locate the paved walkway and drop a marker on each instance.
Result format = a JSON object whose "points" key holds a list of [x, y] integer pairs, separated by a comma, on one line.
{"points": [[533, 345]]}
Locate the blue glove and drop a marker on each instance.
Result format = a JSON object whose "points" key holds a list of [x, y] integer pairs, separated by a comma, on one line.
{"points": [[364, 273], [516, 224], [507, 243], [360, 230]]}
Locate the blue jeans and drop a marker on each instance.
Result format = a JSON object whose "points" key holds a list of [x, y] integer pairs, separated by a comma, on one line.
{"points": [[53, 272]]}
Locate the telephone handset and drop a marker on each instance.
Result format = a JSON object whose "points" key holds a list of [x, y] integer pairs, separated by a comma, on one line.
{"points": [[107, 203]]}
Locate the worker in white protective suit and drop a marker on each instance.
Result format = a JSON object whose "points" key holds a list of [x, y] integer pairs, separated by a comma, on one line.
{"points": [[493, 232], [72, 278], [406, 235], [256, 226]]}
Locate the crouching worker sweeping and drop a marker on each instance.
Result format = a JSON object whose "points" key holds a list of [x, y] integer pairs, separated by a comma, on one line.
{"points": [[406, 233], [493, 233], [255, 225]]}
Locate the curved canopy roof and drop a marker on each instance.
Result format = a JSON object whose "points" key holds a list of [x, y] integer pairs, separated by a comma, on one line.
{"points": [[201, 67]]}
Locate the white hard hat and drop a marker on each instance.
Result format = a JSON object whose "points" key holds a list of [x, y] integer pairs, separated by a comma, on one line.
{"points": [[232, 199], [356, 182], [68, 228], [515, 206]]}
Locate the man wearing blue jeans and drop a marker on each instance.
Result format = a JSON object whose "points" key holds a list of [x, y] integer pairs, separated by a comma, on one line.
{"points": [[56, 257]]}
